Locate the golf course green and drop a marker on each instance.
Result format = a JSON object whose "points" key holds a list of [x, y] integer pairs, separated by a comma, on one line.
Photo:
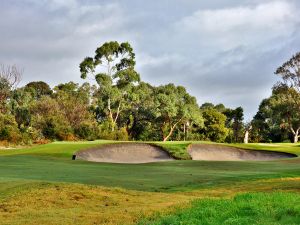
{"points": [[64, 188]]}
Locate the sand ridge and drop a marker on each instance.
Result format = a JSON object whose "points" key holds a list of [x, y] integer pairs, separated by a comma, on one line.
{"points": [[125, 153], [214, 152]]}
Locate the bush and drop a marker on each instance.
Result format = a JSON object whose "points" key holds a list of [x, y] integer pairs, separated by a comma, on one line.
{"points": [[87, 131], [122, 134], [118, 134], [9, 129]]}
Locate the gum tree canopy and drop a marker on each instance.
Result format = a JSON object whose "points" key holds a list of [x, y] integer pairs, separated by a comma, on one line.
{"points": [[113, 68], [175, 106], [290, 74]]}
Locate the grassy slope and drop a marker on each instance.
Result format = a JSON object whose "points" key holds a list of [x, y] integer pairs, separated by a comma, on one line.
{"points": [[178, 150]]}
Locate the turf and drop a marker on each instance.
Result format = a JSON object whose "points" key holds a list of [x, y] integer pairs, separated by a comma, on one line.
{"points": [[247, 209], [52, 162], [177, 150], [42, 185]]}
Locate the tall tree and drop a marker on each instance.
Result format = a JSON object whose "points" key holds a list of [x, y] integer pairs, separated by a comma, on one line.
{"points": [[290, 91], [113, 68], [214, 125], [284, 102], [234, 121], [174, 106]]}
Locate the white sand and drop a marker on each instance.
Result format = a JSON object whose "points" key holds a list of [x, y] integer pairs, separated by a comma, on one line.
{"points": [[124, 153], [213, 152]]}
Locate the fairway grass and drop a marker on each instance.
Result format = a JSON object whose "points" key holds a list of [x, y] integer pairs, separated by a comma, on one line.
{"points": [[42, 185]]}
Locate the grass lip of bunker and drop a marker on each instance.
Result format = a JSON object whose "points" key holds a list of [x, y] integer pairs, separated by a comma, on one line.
{"points": [[215, 152], [131, 153]]}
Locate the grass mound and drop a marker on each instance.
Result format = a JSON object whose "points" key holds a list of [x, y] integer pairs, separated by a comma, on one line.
{"points": [[56, 203], [177, 150], [251, 208]]}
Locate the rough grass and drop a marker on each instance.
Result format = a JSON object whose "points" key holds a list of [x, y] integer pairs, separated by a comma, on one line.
{"points": [[46, 203], [251, 208]]}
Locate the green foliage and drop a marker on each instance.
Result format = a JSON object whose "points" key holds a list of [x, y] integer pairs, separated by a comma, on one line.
{"points": [[214, 125], [277, 117], [115, 83], [175, 106], [49, 119], [234, 121], [38, 88], [9, 129], [87, 131]]}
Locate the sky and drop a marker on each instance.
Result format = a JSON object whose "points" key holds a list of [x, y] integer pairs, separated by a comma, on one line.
{"points": [[222, 51]]}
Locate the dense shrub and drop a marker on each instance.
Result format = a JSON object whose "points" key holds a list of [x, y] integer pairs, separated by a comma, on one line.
{"points": [[9, 129], [87, 131]]}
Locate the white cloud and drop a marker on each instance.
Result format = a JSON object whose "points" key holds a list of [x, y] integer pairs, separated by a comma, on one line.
{"points": [[248, 26], [145, 60]]}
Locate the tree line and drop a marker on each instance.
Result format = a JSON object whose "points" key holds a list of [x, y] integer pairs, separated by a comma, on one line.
{"points": [[119, 106], [122, 107], [278, 117]]}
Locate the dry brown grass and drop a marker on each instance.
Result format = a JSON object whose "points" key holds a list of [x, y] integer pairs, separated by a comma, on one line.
{"points": [[82, 204]]}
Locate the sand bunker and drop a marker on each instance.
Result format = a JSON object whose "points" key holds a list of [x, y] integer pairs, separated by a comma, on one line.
{"points": [[224, 153], [124, 153]]}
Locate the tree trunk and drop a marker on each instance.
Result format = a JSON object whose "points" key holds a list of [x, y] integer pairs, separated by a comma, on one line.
{"points": [[168, 136], [246, 137], [295, 138], [171, 131], [296, 134], [184, 131]]}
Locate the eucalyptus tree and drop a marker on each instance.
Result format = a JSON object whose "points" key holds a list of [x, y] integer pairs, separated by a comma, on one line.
{"points": [[113, 68], [284, 102], [289, 92], [234, 121], [275, 119], [175, 106], [140, 117], [214, 125]]}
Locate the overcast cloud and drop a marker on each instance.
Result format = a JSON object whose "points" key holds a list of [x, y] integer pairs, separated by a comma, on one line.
{"points": [[222, 51]]}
